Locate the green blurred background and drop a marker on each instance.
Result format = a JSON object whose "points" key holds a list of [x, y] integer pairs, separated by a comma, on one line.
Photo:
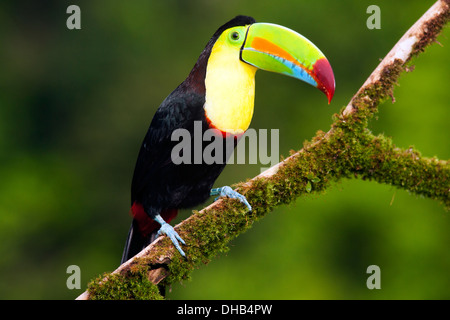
{"points": [[75, 105]]}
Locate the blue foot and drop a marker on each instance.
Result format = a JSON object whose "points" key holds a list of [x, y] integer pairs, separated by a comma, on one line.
{"points": [[168, 230], [230, 193]]}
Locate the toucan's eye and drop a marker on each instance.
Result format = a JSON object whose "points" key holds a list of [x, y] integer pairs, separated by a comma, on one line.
{"points": [[235, 36]]}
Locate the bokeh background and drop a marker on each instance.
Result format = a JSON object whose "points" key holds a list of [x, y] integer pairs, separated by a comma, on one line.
{"points": [[75, 105]]}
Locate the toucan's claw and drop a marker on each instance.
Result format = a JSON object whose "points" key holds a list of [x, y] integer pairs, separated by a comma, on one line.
{"points": [[168, 230], [230, 193]]}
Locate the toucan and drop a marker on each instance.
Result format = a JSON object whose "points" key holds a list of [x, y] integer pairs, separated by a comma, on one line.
{"points": [[219, 94]]}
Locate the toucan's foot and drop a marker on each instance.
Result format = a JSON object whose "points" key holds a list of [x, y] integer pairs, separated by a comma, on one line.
{"points": [[230, 193], [168, 230]]}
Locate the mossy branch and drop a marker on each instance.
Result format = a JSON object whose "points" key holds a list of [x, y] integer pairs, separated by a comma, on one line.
{"points": [[347, 150]]}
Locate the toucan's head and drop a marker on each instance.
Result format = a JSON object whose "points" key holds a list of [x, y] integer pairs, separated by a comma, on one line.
{"points": [[278, 49], [238, 49]]}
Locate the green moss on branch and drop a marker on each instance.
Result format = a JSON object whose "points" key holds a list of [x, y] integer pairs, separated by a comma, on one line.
{"points": [[129, 286]]}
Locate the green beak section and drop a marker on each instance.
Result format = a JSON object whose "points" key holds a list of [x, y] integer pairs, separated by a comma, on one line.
{"points": [[278, 49]]}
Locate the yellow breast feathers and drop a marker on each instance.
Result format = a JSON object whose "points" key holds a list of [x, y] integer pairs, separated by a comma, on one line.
{"points": [[230, 88]]}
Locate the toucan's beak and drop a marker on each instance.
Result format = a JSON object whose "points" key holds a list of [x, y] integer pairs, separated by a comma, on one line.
{"points": [[278, 49]]}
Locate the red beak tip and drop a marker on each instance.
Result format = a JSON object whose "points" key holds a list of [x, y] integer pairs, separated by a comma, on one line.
{"points": [[324, 74], [330, 95]]}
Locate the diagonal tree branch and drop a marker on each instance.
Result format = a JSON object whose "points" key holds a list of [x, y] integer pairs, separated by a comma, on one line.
{"points": [[348, 149]]}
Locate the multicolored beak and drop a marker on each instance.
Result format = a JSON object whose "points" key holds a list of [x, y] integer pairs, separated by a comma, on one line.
{"points": [[278, 49]]}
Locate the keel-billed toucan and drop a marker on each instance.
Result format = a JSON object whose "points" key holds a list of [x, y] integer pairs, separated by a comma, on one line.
{"points": [[218, 93]]}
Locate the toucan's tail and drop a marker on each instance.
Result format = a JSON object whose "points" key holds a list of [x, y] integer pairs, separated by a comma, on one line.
{"points": [[135, 242]]}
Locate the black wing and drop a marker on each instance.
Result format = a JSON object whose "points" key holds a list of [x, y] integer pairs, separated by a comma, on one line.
{"points": [[154, 164]]}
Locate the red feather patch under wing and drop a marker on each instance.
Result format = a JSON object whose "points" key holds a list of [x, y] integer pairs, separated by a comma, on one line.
{"points": [[146, 224]]}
